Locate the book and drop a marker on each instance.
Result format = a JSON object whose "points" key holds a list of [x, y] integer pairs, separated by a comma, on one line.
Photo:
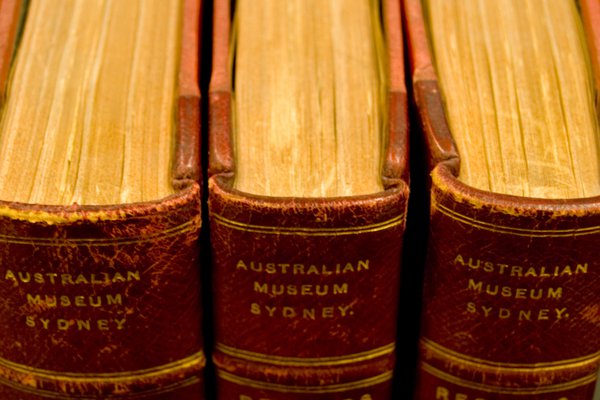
{"points": [[305, 288], [510, 298], [100, 297]]}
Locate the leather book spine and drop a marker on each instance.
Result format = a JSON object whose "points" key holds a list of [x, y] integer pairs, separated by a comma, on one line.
{"points": [[306, 294], [104, 301], [305, 290], [100, 302], [510, 297]]}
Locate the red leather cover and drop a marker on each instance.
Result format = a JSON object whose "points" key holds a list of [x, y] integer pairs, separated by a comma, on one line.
{"points": [[305, 290], [103, 301], [511, 306]]}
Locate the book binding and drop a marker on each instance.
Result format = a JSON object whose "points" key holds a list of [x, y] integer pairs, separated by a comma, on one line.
{"points": [[510, 302], [305, 289]]}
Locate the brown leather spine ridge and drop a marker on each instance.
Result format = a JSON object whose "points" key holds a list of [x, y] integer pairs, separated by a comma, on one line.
{"points": [[438, 139], [220, 146], [103, 301], [396, 162], [187, 154], [331, 332], [511, 284]]}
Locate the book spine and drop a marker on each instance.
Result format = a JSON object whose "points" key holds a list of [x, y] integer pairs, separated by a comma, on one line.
{"points": [[101, 302], [305, 294], [510, 303]]}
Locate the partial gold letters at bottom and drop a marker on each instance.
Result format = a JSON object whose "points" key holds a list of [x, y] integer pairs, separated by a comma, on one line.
{"points": [[442, 393]]}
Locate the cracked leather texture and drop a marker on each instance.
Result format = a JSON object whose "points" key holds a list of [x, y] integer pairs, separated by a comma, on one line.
{"points": [[511, 306]]}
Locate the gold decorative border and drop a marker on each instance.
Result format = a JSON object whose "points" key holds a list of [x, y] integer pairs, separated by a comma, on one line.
{"points": [[304, 362], [447, 353], [334, 388], [195, 361], [56, 395], [307, 231], [514, 230], [586, 380], [188, 226]]}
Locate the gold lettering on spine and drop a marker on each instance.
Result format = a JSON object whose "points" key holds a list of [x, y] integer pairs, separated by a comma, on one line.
{"points": [[542, 314], [302, 290], [283, 268], [547, 292], [114, 300], [442, 393], [81, 325], [517, 293], [102, 278], [321, 287], [499, 268], [63, 324], [39, 303], [311, 313], [74, 301]]}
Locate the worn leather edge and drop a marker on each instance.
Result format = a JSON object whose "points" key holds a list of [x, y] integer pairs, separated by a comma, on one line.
{"points": [[304, 376], [128, 384], [506, 375], [318, 385], [306, 212], [64, 215], [446, 188]]}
